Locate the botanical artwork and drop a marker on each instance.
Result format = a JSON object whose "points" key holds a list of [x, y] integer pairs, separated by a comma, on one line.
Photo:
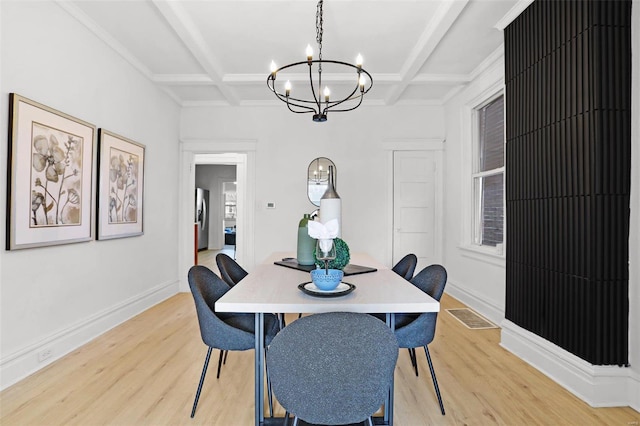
{"points": [[120, 186], [56, 171], [50, 176], [123, 183]]}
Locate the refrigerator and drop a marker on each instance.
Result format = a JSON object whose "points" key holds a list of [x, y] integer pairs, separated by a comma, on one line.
{"points": [[202, 217]]}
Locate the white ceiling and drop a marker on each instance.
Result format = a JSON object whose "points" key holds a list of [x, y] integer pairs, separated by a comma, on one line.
{"points": [[217, 52]]}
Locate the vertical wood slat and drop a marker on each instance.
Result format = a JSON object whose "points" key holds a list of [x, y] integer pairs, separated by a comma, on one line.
{"points": [[567, 68]]}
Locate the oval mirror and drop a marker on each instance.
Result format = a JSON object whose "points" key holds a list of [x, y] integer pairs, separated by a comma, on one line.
{"points": [[318, 178]]}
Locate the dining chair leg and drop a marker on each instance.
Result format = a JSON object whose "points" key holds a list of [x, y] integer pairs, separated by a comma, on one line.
{"points": [[269, 393], [414, 360], [220, 358], [204, 372], [285, 422], [435, 381], [224, 361], [370, 421], [295, 420]]}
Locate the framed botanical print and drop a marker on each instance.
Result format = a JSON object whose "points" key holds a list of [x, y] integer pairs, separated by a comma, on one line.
{"points": [[50, 160], [120, 186]]}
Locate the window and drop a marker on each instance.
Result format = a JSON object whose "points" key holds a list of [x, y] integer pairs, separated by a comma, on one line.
{"points": [[230, 199], [488, 175]]}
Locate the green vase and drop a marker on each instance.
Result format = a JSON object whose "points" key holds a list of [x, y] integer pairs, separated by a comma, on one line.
{"points": [[306, 244]]}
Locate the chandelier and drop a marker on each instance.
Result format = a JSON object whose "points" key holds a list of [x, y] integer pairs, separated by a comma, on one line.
{"points": [[315, 103]]}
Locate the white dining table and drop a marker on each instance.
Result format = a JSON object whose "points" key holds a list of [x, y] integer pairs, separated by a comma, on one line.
{"points": [[271, 288]]}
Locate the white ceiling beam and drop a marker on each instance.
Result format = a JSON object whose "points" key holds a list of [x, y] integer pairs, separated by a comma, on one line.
{"points": [[441, 78], [186, 29], [183, 79], [204, 104], [437, 27], [239, 79]]}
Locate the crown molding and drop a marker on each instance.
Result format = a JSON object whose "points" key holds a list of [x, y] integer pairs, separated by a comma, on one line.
{"points": [[512, 14], [103, 35]]}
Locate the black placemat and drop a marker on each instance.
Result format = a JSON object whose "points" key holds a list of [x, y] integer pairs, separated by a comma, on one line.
{"points": [[350, 269]]}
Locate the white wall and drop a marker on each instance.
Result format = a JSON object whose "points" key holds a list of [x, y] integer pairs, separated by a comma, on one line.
{"points": [[287, 143], [475, 278], [62, 296]]}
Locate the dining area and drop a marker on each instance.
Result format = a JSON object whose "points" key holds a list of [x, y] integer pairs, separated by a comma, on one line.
{"points": [[104, 331], [146, 370], [292, 353], [275, 290], [342, 301]]}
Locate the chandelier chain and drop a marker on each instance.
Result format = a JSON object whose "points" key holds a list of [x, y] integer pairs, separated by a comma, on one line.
{"points": [[319, 29]]}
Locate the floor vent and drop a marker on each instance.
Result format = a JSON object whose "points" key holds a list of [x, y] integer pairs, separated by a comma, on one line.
{"points": [[470, 319]]}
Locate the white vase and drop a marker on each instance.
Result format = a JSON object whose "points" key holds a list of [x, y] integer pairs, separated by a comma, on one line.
{"points": [[331, 204]]}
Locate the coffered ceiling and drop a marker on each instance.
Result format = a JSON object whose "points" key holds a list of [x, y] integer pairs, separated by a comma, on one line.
{"points": [[217, 52]]}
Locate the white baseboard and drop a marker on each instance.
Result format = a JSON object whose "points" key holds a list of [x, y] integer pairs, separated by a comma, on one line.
{"points": [[598, 386], [634, 390], [20, 364], [477, 302]]}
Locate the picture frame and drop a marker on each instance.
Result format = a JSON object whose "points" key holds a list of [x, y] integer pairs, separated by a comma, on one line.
{"points": [[120, 203], [50, 170]]}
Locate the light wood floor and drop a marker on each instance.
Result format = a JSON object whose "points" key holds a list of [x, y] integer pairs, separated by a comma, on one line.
{"points": [[208, 257], [145, 372]]}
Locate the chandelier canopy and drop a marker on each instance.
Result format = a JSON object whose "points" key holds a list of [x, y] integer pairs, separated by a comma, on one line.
{"points": [[315, 103]]}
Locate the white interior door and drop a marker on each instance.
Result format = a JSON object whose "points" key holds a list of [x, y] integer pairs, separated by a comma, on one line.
{"points": [[416, 206]]}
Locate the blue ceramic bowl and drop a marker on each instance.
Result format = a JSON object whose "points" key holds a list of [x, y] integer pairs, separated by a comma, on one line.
{"points": [[326, 281]]}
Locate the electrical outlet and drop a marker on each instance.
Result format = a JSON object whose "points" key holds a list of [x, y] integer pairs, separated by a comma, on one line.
{"points": [[44, 354]]}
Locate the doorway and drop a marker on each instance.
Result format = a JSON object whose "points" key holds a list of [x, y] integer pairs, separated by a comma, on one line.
{"points": [[238, 154], [215, 211]]}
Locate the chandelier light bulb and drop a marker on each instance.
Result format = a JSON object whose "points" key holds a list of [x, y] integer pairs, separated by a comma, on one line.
{"points": [[362, 81], [287, 87], [359, 61], [327, 92], [309, 52], [273, 67]]}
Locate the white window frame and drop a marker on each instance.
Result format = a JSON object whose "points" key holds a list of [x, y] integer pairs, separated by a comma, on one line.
{"points": [[470, 158], [476, 176]]}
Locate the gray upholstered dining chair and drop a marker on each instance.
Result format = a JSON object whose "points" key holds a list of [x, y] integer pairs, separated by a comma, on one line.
{"points": [[406, 266], [222, 330], [415, 330], [332, 368], [230, 271]]}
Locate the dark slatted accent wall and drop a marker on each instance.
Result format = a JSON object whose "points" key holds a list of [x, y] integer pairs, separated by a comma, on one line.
{"points": [[568, 125]]}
